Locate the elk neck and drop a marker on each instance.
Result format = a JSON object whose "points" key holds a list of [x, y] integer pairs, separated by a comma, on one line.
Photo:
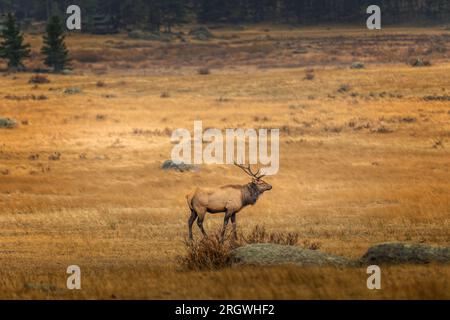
{"points": [[250, 194]]}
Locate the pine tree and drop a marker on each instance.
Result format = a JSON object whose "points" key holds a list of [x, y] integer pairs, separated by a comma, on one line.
{"points": [[54, 49], [12, 47], [173, 12]]}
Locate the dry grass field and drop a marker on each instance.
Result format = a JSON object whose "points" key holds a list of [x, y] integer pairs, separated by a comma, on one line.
{"points": [[364, 159]]}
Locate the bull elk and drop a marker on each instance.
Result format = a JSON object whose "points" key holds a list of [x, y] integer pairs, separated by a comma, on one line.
{"points": [[229, 199]]}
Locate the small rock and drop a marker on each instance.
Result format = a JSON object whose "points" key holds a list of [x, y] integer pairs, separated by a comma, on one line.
{"points": [[201, 33], [300, 51], [74, 90], [151, 36], [436, 98], [67, 72], [7, 123], [45, 287], [178, 166], [357, 65]]}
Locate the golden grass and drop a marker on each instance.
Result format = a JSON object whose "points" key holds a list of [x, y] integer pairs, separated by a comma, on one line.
{"points": [[108, 207]]}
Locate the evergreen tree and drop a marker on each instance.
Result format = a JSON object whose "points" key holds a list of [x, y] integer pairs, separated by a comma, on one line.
{"points": [[54, 49], [12, 47], [173, 12]]}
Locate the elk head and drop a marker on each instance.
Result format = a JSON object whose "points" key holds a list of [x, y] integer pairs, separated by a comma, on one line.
{"points": [[257, 182]]}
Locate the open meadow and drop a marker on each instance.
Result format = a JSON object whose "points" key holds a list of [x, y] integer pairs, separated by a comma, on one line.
{"points": [[364, 159]]}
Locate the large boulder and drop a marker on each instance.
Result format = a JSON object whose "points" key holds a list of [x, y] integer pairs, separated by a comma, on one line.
{"points": [[397, 253], [275, 254]]}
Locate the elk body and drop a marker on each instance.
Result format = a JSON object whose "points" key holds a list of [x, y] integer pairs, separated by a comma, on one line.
{"points": [[229, 199]]}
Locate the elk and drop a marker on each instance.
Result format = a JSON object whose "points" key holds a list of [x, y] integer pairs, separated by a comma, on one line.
{"points": [[228, 199]]}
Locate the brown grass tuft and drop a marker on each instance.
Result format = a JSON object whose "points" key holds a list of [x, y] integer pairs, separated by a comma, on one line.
{"points": [[203, 71], [39, 79], [260, 235]]}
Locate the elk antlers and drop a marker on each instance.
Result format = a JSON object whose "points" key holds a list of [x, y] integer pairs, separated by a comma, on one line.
{"points": [[249, 171]]}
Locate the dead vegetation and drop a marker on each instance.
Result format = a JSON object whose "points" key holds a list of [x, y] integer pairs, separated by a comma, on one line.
{"points": [[39, 79], [26, 97]]}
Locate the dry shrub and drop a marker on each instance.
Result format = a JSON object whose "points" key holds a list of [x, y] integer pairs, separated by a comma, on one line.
{"points": [[208, 253], [344, 88], [203, 71], [419, 62], [309, 74], [260, 235], [311, 245], [87, 56], [39, 79], [100, 117], [27, 97]]}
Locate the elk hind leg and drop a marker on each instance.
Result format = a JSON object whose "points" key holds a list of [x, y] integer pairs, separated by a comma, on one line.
{"points": [[191, 222]]}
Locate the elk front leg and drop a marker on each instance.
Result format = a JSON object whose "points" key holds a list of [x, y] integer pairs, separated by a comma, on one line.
{"points": [[200, 225], [224, 228], [233, 223]]}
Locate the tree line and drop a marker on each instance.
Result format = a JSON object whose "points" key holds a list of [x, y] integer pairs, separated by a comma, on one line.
{"points": [[14, 50], [155, 14]]}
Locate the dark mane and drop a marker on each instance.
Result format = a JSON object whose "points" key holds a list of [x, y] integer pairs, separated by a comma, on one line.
{"points": [[250, 194]]}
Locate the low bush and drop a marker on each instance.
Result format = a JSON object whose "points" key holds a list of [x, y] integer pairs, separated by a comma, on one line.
{"points": [[39, 79], [203, 71]]}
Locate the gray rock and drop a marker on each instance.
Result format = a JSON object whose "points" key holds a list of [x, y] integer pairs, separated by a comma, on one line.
{"points": [[137, 34], [151, 36], [274, 254], [40, 286], [67, 72], [178, 166], [437, 98], [357, 65], [7, 123], [397, 253], [201, 33], [73, 90]]}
